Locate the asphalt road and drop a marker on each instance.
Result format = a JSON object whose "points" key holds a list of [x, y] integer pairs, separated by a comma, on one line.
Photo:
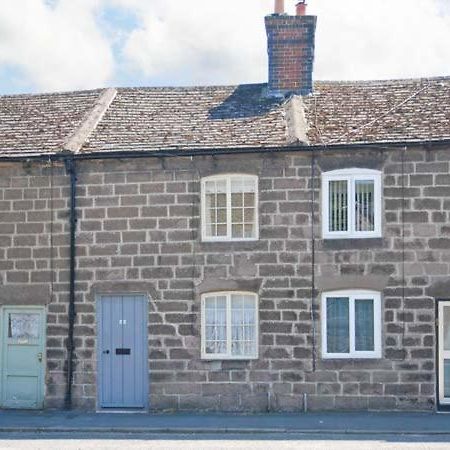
{"points": [[56, 441]]}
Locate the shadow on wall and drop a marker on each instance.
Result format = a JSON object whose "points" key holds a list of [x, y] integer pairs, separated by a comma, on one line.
{"points": [[246, 101]]}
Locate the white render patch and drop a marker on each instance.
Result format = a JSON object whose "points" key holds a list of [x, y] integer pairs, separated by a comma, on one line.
{"points": [[297, 125]]}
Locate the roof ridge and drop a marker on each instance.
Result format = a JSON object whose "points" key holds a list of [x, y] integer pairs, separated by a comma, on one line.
{"points": [[189, 88], [384, 81], [77, 139], [49, 94]]}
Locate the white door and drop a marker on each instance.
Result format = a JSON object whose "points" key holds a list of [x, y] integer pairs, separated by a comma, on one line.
{"points": [[444, 353]]}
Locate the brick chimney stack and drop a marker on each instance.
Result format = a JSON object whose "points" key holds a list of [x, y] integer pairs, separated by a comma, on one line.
{"points": [[290, 45]]}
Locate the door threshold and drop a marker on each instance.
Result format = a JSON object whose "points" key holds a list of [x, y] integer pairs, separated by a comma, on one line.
{"points": [[443, 409], [122, 411]]}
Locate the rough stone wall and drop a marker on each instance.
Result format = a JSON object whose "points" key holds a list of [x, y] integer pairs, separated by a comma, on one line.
{"points": [[414, 189], [140, 222], [34, 219], [139, 231]]}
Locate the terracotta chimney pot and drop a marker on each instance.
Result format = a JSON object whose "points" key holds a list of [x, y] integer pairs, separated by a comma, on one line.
{"points": [[279, 7], [301, 8]]}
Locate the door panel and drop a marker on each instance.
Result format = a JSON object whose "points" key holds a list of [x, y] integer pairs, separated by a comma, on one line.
{"points": [[123, 352], [22, 358]]}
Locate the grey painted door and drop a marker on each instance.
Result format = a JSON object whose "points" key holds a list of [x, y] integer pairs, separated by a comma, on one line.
{"points": [[123, 353], [22, 340]]}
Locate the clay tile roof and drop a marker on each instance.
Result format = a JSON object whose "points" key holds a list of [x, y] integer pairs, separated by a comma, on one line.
{"points": [[181, 118], [40, 124], [137, 119], [379, 111]]}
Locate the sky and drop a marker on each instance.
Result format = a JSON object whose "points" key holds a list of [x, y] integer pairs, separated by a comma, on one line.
{"points": [[61, 45]]}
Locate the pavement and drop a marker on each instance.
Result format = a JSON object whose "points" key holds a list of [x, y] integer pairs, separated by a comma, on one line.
{"points": [[349, 423]]}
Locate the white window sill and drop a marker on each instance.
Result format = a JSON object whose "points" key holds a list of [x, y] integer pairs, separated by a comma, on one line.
{"points": [[349, 357], [207, 358], [352, 236], [209, 240]]}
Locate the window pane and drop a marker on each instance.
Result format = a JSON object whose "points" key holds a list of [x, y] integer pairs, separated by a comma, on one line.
{"points": [[237, 200], [243, 184], [221, 230], [237, 231], [447, 378], [222, 216], [249, 199], [210, 218], [23, 326], [215, 325], [249, 231], [249, 185], [338, 329], [446, 326], [249, 215], [338, 206], [221, 200], [215, 206], [364, 326], [243, 325], [210, 187], [237, 215], [364, 205]]}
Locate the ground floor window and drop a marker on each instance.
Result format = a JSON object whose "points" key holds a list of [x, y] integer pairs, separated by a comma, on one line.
{"points": [[351, 324], [230, 325]]}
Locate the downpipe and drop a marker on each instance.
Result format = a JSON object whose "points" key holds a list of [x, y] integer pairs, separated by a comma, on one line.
{"points": [[71, 170]]}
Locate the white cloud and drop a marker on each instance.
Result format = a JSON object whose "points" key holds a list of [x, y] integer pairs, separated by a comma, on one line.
{"points": [[62, 44], [204, 41], [199, 41], [381, 39], [57, 44]]}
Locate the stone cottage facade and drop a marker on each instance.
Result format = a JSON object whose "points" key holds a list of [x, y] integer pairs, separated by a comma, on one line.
{"points": [[223, 248]]}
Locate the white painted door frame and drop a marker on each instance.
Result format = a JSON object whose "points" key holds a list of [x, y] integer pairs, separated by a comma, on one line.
{"points": [[443, 354]]}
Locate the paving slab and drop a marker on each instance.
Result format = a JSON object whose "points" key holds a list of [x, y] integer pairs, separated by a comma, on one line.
{"points": [[314, 423]]}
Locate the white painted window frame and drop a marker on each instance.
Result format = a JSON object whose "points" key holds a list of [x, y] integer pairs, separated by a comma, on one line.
{"points": [[442, 353], [228, 355], [351, 175], [228, 178], [352, 295]]}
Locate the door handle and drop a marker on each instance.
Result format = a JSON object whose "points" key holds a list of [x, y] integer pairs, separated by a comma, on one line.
{"points": [[39, 356], [106, 352]]}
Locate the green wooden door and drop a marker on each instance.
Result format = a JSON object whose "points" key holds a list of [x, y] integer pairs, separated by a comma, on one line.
{"points": [[22, 358]]}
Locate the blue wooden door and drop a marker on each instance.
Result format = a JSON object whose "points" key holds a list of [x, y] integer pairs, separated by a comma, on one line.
{"points": [[123, 354], [22, 358]]}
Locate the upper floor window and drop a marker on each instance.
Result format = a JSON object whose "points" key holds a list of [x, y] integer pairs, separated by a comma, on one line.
{"points": [[230, 325], [351, 203], [229, 208], [351, 324]]}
